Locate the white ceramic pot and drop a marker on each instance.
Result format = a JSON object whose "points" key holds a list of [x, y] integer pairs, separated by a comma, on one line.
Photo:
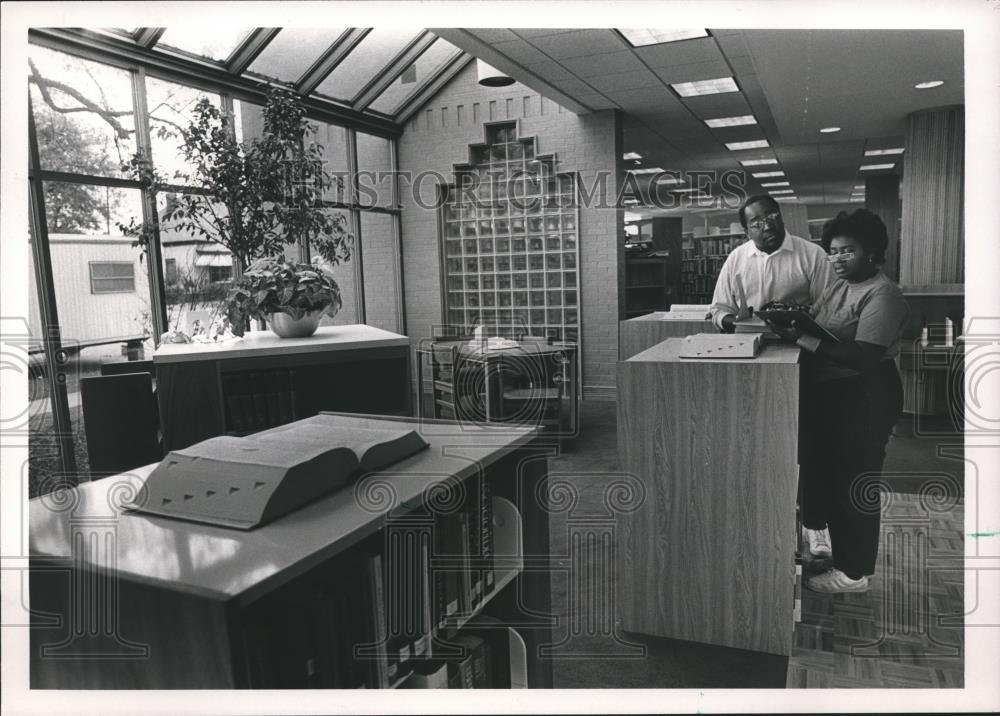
{"points": [[287, 327]]}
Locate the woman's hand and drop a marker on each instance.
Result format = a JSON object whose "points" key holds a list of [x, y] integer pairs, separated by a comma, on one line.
{"points": [[789, 333]]}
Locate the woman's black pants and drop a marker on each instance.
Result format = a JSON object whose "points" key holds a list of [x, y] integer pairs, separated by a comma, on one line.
{"points": [[846, 424]]}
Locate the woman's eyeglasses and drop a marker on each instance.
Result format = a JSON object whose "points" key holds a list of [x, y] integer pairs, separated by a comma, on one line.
{"points": [[758, 222], [845, 256]]}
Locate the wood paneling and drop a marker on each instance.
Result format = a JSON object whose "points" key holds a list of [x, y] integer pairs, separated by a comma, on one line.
{"points": [[882, 198], [638, 334], [709, 556], [932, 244]]}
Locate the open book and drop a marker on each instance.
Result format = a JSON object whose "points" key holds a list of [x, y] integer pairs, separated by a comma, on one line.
{"points": [[244, 482]]}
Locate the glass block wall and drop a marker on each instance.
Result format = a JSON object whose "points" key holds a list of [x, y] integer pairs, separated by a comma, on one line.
{"points": [[510, 237]]}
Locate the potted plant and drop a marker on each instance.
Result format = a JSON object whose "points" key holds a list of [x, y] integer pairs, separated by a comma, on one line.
{"points": [[291, 297], [253, 197]]}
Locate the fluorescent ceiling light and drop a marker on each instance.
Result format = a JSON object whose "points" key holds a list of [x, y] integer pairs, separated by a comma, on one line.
{"points": [[647, 170], [642, 38], [668, 179], [786, 198], [775, 183], [855, 199], [859, 186], [929, 84], [755, 144], [701, 87], [872, 167], [763, 175], [630, 216], [883, 152], [631, 155], [829, 130], [782, 191], [731, 121], [758, 162], [687, 191]]}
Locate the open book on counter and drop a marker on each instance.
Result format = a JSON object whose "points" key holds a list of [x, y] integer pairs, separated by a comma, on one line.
{"points": [[245, 482]]}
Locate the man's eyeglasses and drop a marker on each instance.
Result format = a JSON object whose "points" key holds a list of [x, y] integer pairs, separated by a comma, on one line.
{"points": [[845, 256], [758, 222]]}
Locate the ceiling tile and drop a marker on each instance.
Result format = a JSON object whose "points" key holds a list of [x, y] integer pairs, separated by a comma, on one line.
{"points": [[694, 72], [626, 80], [581, 43], [701, 49], [717, 105], [520, 51], [604, 64], [492, 34], [541, 31], [549, 70]]}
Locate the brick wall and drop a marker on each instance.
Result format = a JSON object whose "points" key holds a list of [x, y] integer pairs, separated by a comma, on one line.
{"points": [[437, 137]]}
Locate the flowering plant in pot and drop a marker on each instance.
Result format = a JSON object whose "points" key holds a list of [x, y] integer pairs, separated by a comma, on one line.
{"points": [[291, 297]]}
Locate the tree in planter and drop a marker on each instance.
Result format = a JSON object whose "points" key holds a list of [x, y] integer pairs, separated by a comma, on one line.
{"points": [[256, 197]]}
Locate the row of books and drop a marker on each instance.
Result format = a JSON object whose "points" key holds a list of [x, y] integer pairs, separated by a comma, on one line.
{"points": [[257, 400], [375, 618]]}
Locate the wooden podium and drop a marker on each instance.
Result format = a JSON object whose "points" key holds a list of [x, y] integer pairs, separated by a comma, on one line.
{"points": [[710, 555]]}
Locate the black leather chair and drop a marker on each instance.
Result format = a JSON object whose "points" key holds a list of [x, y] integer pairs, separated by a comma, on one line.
{"points": [[120, 422]]}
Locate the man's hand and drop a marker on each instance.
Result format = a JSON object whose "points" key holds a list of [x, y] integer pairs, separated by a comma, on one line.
{"points": [[789, 333]]}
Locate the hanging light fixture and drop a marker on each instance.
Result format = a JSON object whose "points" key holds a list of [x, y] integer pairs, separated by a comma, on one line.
{"points": [[490, 76]]}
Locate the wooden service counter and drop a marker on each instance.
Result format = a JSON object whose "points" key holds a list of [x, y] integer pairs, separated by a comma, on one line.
{"points": [[639, 333], [710, 554]]}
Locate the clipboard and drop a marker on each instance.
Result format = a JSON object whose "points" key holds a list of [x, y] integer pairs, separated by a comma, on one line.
{"points": [[803, 320]]}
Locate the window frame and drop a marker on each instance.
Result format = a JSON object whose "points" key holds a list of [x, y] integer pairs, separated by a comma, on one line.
{"points": [[99, 262]]}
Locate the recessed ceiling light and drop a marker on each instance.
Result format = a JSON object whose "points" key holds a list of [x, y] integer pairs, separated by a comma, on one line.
{"points": [[763, 175], [647, 170], [686, 191], [873, 167], [855, 199], [781, 191], [859, 186], [883, 152], [775, 183], [631, 155], [929, 84], [731, 121], [758, 162], [668, 179], [786, 198], [829, 130], [701, 87], [755, 144], [642, 38]]}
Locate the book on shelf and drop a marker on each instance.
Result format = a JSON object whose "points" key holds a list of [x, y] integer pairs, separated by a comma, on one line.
{"points": [[246, 482]]}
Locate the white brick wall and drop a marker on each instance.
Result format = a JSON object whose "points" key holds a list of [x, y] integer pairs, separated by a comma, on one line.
{"points": [[437, 137]]}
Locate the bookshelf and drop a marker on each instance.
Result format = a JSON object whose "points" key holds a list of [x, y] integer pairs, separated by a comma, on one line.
{"points": [[342, 593], [532, 383], [648, 285], [241, 387], [701, 261]]}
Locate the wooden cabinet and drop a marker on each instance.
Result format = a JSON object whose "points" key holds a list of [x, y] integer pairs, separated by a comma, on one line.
{"points": [[648, 285], [209, 389], [130, 601], [709, 556]]}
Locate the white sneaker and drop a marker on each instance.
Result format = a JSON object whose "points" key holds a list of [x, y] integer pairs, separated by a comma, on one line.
{"points": [[836, 582], [819, 543]]}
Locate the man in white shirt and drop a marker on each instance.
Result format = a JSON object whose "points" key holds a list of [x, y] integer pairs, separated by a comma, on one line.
{"points": [[772, 266]]}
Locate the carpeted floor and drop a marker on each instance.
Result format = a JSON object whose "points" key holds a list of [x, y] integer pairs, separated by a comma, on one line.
{"points": [[591, 652]]}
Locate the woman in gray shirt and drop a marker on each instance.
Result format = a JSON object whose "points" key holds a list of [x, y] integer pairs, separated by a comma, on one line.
{"points": [[852, 398]]}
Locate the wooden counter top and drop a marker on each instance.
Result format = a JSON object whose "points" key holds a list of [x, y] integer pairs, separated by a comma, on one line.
{"points": [[265, 343], [668, 351]]}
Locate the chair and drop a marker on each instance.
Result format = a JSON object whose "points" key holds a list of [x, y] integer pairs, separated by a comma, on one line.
{"points": [[119, 416]]}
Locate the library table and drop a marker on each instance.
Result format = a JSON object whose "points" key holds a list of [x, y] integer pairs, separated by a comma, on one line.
{"points": [[134, 601], [354, 368], [710, 554], [639, 333]]}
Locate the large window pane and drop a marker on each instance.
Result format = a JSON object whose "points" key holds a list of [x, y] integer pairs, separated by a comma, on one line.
{"points": [[427, 64], [380, 270], [366, 61], [293, 51], [333, 139], [211, 41], [83, 113], [196, 273], [170, 109], [248, 120], [375, 177], [101, 285], [344, 275]]}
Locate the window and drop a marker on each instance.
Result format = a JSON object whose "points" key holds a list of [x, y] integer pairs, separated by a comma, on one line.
{"points": [[112, 277], [217, 274], [170, 273]]}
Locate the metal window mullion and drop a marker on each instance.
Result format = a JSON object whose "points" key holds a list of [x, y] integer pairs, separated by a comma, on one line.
{"points": [[397, 244], [352, 199], [150, 216], [45, 285]]}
